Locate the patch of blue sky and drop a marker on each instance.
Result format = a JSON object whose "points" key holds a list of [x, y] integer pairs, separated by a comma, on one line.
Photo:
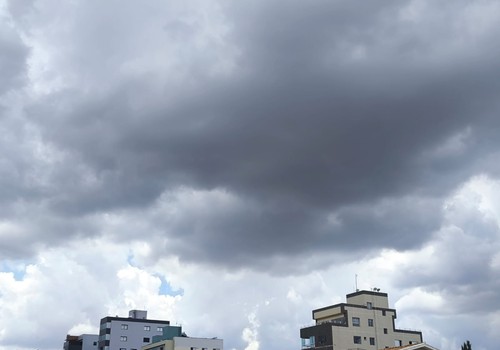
{"points": [[16, 268], [166, 288]]}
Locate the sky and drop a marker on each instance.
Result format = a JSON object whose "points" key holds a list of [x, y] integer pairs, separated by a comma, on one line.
{"points": [[232, 165]]}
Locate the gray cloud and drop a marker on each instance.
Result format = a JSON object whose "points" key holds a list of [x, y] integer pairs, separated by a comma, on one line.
{"points": [[334, 118]]}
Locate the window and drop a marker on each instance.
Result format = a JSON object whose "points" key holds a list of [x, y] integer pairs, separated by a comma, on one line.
{"points": [[383, 312], [123, 348], [398, 342], [385, 330], [147, 328], [372, 341], [145, 340], [123, 338], [95, 343], [308, 342], [357, 339], [369, 305], [124, 326], [355, 321], [159, 329], [370, 322]]}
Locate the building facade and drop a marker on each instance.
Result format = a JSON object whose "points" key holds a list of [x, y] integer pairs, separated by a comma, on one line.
{"points": [[81, 342], [132, 333], [365, 321], [174, 339]]}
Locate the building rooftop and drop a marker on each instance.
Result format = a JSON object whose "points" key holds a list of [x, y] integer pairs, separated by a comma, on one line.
{"points": [[419, 346]]}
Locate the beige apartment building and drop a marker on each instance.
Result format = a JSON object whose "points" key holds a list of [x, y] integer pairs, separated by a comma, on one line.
{"points": [[365, 321]]}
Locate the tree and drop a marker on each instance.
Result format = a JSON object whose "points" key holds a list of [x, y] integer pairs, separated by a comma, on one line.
{"points": [[467, 346]]}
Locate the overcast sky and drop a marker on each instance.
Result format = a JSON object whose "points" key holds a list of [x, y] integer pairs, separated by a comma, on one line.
{"points": [[232, 165]]}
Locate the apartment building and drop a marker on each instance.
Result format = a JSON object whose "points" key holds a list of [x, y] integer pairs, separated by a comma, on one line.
{"points": [[365, 321], [81, 342], [174, 339], [129, 333]]}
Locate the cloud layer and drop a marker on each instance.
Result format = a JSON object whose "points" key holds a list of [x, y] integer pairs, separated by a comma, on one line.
{"points": [[273, 144]]}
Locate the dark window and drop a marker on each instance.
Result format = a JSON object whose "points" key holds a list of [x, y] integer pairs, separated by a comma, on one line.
{"points": [[385, 330], [383, 312], [372, 341], [357, 339], [355, 321], [322, 340], [145, 340], [95, 343], [370, 322]]}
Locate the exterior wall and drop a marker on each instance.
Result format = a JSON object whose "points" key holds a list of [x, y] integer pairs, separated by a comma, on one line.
{"points": [[72, 343], [135, 334], [374, 327], [364, 297], [327, 314], [135, 330], [138, 314], [321, 335], [161, 345], [89, 341], [186, 343]]}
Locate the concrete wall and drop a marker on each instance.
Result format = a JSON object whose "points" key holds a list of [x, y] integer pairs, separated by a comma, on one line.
{"points": [[365, 297], [135, 334], [88, 341], [186, 343], [322, 315], [343, 337]]}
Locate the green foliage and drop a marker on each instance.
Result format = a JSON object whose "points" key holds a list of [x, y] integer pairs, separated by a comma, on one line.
{"points": [[467, 346]]}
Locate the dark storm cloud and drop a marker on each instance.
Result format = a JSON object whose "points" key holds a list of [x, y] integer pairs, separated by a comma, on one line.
{"points": [[328, 110], [12, 59]]}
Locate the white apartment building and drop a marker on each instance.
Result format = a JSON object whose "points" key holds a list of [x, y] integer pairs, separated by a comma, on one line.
{"points": [[186, 343], [81, 342], [365, 322], [174, 339], [132, 333]]}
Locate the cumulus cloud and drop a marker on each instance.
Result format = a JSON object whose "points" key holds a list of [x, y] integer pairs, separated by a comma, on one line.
{"points": [[280, 144]]}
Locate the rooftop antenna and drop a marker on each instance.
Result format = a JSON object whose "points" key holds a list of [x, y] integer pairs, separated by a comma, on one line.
{"points": [[356, 282]]}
